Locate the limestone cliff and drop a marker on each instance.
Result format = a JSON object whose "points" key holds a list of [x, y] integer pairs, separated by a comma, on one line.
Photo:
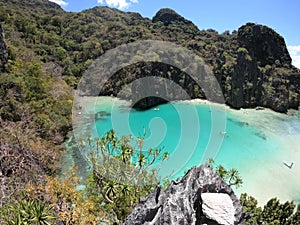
{"points": [[261, 75], [264, 44], [200, 197]]}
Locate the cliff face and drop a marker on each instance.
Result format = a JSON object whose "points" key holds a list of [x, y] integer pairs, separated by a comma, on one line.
{"points": [[261, 73], [3, 53], [246, 82], [264, 44], [200, 197]]}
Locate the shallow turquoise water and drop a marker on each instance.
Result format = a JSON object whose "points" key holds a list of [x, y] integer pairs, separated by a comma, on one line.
{"points": [[254, 142], [184, 130]]}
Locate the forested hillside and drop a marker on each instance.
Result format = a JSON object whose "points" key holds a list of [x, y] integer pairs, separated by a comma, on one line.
{"points": [[252, 64]]}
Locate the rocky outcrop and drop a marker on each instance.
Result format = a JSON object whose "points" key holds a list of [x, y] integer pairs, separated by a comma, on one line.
{"points": [[169, 16], [148, 102], [154, 88], [262, 74], [3, 52], [264, 44], [218, 207], [200, 197]]}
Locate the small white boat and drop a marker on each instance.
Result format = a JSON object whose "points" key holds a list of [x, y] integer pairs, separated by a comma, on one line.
{"points": [[156, 109], [259, 108]]}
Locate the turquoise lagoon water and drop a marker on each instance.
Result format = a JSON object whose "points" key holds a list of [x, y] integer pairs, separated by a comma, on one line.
{"points": [[254, 142]]}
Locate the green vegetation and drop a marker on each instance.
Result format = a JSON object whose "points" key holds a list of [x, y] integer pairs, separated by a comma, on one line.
{"points": [[54, 201], [47, 51], [27, 212], [231, 176], [120, 176], [272, 213], [122, 172]]}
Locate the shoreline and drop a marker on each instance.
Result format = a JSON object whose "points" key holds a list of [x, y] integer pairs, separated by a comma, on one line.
{"points": [[265, 170], [85, 100]]}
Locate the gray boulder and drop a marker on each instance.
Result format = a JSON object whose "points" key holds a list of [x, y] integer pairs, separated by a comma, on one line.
{"points": [[218, 207], [200, 197]]}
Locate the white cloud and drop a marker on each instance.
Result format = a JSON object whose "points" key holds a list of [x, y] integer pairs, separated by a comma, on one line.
{"points": [[120, 4], [295, 54], [59, 2]]}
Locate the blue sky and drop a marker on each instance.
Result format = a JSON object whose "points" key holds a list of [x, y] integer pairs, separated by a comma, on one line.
{"points": [[281, 15]]}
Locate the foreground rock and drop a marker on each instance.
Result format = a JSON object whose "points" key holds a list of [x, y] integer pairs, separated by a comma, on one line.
{"points": [[218, 207], [201, 197]]}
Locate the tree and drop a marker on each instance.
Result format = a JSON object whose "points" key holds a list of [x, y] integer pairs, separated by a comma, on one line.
{"points": [[272, 213], [295, 219], [231, 177], [250, 207], [221, 171], [122, 170]]}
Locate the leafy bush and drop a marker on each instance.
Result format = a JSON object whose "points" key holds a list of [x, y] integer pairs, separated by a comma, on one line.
{"points": [[26, 211]]}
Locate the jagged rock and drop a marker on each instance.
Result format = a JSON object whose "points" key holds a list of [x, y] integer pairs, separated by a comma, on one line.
{"points": [[185, 202], [3, 52], [218, 207]]}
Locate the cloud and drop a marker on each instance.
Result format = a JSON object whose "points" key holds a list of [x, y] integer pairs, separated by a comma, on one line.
{"points": [[120, 4], [295, 54], [59, 2]]}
